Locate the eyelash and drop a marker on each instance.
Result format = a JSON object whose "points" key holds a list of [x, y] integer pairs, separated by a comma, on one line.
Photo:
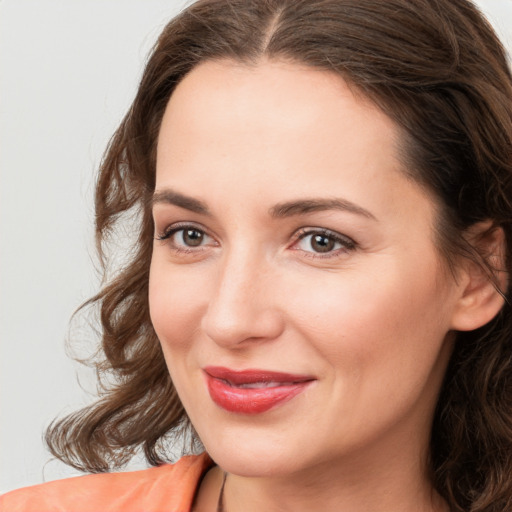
{"points": [[347, 244], [176, 228]]}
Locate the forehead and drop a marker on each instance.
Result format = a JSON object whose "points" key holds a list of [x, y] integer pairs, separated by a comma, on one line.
{"points": [[276, 131], [272, 109], [231, 91], [274, 84]]}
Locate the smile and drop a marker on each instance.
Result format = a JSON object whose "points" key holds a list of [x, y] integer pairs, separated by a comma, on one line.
{"points": [[252, 391]]}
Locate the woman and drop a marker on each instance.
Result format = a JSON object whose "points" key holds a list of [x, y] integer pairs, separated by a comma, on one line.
{"points": [[319, 291]]}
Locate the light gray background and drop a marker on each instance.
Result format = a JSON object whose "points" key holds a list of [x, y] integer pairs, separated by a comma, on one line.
{"points": [[68, 71]]}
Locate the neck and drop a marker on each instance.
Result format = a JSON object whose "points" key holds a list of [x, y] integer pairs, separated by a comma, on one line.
{"points": [[244, 496]]}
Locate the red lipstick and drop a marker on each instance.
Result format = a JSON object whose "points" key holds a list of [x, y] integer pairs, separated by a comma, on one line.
{"points": [[252, 391]]}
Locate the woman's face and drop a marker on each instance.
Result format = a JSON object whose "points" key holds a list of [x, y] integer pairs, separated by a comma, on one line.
{"points": [[300, 301]]}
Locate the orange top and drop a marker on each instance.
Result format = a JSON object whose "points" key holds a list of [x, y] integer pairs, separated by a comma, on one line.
{"points": [[167, 488]]}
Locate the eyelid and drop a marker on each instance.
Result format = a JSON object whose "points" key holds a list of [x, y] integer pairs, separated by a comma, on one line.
{"points": [[171, 229], [166, 235], [348, 244]]}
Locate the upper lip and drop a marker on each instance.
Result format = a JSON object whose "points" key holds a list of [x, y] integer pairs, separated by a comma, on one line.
{"points": [[249, 376]]}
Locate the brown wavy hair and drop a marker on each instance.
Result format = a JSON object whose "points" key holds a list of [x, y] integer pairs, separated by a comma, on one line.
{"points": [[438, 70]]}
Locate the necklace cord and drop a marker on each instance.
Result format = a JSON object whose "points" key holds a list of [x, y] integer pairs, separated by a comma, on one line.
{"points": [[220, 502]]}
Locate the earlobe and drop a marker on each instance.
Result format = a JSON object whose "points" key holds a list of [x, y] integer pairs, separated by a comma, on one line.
{"points": [[482, 288]]}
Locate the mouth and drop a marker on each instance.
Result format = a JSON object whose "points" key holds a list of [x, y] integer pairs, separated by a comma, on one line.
{"points": [[252, 391]]}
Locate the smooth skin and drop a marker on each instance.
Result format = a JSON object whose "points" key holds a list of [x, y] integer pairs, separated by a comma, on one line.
{"points": [[289, 238]]}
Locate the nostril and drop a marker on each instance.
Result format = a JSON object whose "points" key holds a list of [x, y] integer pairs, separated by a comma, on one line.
{"points": [[245, 323]]}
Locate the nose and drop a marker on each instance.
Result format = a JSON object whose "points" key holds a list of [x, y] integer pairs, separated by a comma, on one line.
{"points": [[242, 307]]}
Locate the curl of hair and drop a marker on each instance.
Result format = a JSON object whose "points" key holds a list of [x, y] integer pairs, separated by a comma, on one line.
{"points": [[438, 70]]}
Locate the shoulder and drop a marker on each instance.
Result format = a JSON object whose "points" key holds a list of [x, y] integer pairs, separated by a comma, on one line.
{"points": [[169, 488]]}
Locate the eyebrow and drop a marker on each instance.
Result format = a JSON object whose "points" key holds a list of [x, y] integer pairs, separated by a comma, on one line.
{"points": [[280, 210], [303, 206], [169, 196]]}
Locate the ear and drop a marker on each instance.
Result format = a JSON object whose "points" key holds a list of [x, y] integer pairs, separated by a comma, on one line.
{"points": [[481, 293]]}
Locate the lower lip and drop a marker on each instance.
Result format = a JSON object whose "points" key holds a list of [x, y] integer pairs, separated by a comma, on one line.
{"points": [[251, 400]]}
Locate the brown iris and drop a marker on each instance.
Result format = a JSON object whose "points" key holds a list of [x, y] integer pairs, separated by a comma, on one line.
{"points": [[322, 243], [192, 237]]}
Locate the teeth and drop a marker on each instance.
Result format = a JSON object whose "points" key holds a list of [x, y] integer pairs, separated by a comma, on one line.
{"points": [[257, 385], [261, 385]]}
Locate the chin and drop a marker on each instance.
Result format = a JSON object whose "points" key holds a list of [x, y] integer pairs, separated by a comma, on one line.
{"points": [[251, 454], [250, 464]]}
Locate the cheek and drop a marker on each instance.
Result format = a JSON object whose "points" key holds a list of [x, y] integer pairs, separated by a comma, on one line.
{"points": [[375, 333], [373, 320], [175, 303]]}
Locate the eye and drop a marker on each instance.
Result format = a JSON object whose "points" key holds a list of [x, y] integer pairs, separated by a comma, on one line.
{"points": [[185, 237], [324, 242]]}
